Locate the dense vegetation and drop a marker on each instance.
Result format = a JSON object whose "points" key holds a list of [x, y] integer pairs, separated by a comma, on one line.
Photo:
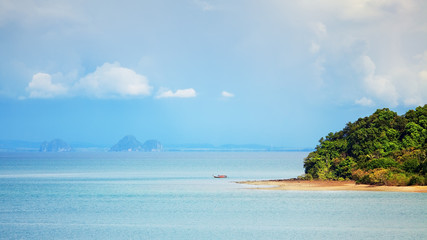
{"points": [[382, 149]]}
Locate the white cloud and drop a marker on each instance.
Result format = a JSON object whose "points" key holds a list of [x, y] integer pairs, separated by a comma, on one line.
{"points": [[405, 85], [385, 33], [381, 87], [112, 81], [364, 102], [181, 93], [41, 86], [412, 87], [108, 81], [227, 94]]}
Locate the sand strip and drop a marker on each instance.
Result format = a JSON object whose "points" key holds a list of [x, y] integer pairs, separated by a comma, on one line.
{"points": [[316, 185]]}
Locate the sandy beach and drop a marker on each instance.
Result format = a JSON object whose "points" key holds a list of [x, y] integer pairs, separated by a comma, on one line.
{"points": [[316, 185]]}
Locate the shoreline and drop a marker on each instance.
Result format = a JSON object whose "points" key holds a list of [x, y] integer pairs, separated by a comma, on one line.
{"points": [[327, 185]]}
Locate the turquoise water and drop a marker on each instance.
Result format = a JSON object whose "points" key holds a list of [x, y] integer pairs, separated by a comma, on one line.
{"points": [[173, 196]]}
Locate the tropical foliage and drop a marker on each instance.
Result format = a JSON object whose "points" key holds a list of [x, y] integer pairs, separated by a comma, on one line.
{"points": [[381, 149]]}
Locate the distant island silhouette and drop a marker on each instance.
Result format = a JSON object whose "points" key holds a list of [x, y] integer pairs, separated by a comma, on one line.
{"points": [[56, 145], [130, 144]]}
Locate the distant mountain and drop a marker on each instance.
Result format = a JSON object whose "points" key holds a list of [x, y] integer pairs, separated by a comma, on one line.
{"points": [[56, 145], [152, 146], [131, 144], [127, 144]]}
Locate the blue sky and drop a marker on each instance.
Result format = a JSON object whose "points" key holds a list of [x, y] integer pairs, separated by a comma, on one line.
{"points": [[281, 73]]}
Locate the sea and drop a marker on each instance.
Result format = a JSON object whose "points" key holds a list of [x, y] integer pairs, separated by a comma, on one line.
{"points": [[173, 195]]}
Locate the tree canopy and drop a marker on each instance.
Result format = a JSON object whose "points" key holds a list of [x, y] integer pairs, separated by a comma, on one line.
{"points": [[383, 149]]}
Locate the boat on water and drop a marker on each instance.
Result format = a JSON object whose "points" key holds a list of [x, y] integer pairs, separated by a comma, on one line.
{"points": [[220, 176]]}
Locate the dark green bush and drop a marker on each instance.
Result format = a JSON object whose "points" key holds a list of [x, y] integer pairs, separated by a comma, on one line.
{"points": [[381, 163]]}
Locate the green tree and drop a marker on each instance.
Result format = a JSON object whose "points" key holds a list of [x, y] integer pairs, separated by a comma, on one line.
{"points": [[414, 135]]}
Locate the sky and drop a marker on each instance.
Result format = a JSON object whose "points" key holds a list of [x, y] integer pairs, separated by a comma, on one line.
{"points": [[279, 73]]}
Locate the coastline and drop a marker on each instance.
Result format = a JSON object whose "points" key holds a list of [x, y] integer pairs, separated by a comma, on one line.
{"points": [[320, 185]]}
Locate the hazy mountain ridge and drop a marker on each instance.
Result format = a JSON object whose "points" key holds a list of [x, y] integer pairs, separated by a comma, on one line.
{"points": [[81, 146]]}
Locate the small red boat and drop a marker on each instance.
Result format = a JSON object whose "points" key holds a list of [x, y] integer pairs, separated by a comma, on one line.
{"points": [[220, 176]]}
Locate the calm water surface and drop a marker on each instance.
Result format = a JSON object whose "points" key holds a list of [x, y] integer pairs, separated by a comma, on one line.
{"points": [[173, 196]]}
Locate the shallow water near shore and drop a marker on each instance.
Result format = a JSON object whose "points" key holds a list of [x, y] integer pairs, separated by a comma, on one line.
{"points": [[174, 196]]}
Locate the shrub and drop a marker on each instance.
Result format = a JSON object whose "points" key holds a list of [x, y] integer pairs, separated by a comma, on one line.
{"points": [[411, 165], [358, 175], [378, 176], [306, 176], [381, 163], [397, 179], [416, 180]]}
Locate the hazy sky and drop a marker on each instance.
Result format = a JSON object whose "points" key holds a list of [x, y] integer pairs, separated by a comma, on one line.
{"points": [[282, 73]]}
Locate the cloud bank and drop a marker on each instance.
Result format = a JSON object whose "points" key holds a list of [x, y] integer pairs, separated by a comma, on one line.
{"points": [[108, 81], [401, 86], [319, 42], [378, 86], [385, 39]]}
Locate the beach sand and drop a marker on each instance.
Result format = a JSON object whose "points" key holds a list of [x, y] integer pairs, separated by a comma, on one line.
{"points": [[317, 185]]}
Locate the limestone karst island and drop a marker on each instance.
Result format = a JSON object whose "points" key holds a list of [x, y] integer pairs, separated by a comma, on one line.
{"points": [[131, 144], [56, 145]]}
